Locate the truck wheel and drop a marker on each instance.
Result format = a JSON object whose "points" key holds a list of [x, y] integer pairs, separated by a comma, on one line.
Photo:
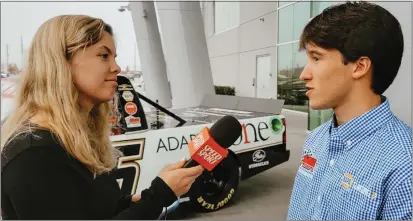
{"points": [[213, 190]]}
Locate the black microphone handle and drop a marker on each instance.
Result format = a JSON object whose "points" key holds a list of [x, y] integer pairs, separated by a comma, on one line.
{"points": [[190, 163]]}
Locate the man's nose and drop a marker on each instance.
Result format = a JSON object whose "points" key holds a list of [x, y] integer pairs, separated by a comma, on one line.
{"points": [[305, 74]]}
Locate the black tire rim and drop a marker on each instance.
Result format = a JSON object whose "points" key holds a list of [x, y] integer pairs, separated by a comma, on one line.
{"points": [[215, 183]]}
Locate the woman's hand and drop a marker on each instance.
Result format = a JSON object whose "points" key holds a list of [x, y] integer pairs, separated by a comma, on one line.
{"points": [[180, 179], [177, 178], [136, 197]]}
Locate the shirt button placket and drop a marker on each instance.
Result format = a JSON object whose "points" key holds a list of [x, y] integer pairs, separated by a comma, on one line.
{"points": [[317, 209], [323, 183]]}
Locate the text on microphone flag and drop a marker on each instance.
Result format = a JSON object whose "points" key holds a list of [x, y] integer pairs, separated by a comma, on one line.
{"points": [[205, 151]]}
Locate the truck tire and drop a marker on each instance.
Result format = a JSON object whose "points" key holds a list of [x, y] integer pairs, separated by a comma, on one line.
{"points": [[213, 190]]}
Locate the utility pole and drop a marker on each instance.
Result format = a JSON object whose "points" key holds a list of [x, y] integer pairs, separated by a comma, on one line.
{"points": [[22, 51], [134, 58], [7, 58]]}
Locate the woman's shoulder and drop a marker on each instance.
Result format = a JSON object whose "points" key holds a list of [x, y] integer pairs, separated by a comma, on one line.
{"points": [[39, 144], [40, 151]]}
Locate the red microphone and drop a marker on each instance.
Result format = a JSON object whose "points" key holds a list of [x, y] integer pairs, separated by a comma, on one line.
{"points": [[210, 146]]}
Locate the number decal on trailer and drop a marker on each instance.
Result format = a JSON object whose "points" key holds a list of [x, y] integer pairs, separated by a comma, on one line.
{"points": [[128, 169]]}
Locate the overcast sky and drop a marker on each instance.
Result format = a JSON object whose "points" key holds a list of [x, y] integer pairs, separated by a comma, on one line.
{"points": [[24, 18]]}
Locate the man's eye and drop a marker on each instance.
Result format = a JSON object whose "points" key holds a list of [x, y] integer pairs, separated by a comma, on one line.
{"points": [[104, 56], [316, 58]]}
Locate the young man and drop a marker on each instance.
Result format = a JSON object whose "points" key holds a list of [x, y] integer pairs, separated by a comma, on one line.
{"points": [[359, 164]]}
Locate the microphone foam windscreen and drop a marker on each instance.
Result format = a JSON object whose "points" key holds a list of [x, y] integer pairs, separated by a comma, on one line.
{"points": [[226, 131]]}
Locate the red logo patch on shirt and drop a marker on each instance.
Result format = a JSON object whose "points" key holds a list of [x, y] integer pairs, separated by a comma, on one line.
{"points": [[308, 162]]}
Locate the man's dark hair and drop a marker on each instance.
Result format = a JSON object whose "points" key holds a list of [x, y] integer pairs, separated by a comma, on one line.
{"points": [[360, 29]]}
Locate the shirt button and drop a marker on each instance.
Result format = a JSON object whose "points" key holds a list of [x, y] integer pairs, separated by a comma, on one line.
{"points": [[348, 142], [319, 199], [332, 162]]}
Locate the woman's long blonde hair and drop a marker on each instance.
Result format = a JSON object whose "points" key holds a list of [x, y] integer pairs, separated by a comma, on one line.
{"points": [[46, 86]]}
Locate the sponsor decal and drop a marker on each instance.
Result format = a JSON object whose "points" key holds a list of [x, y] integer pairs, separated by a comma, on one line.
{"points": [[257, 131], [348, 182], [276, 125], [218, 205], [131, 108], [125, 87], [260, 164], [258, 156], [132, 121], [127, 95], [251, 133], [173, 143]]}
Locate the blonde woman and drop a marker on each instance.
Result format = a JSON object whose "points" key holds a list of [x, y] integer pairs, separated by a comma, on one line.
{"points": [[56, 152]]}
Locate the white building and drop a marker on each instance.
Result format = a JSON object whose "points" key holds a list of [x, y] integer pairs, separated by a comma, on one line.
{"points": [[253, 47]]}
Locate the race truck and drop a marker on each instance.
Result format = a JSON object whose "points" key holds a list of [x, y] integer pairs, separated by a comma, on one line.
{"points": [[154, 136]]}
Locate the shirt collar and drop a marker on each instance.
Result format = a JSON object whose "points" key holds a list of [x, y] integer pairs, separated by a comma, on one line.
{"points": [[360, 127]]}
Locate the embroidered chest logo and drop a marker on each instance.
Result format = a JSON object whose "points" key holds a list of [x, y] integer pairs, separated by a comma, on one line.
{"points": [[308, 161], [308, 164], [348, 182]]}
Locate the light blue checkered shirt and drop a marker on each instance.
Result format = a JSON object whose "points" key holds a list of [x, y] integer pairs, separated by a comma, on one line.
{"points": [[361, 170]]}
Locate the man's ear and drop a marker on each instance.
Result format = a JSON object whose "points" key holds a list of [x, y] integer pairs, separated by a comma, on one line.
{"points": [[361, 66]]}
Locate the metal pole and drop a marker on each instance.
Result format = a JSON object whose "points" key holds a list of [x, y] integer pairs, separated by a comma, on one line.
{"points": [[150, 49], [7, 58], [134, 58], [22, 56]]}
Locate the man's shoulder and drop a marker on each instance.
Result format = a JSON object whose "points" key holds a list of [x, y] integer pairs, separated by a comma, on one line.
{"points": [[393, 145], [400, 129], [398, 135]]}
